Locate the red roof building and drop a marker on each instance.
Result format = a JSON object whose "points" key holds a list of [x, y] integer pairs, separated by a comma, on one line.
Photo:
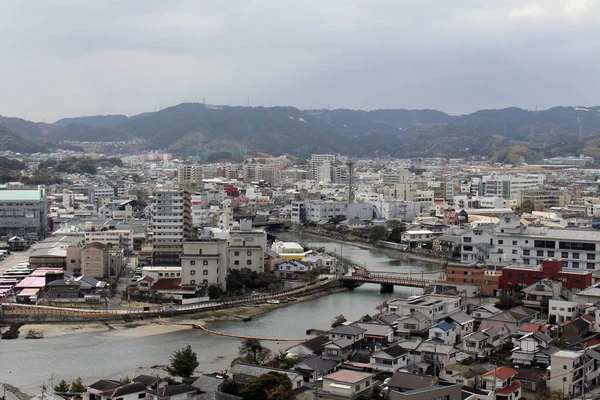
{"points": [[513, 277], [503, 381]]}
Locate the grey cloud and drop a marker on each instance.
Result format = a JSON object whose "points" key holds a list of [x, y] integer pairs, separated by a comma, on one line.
{"points": [[68, 58]]}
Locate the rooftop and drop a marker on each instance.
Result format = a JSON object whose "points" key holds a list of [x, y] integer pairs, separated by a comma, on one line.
{"points": [[348, 376]]}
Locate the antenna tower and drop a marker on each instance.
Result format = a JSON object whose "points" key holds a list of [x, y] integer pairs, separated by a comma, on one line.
{"points": [[580, 129], [350, 165]]}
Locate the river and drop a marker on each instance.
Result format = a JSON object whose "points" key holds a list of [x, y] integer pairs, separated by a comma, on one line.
{"points": [[102, 354]]}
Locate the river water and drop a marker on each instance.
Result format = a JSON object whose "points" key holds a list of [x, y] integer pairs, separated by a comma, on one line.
{"points": [[96, 355]]}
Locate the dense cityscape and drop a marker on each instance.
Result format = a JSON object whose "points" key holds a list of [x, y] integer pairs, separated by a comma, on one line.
{"points": [[299, 200], [500, 261]]}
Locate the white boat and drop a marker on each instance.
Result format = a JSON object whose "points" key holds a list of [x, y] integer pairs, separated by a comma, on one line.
{"points": [[273, 301]]}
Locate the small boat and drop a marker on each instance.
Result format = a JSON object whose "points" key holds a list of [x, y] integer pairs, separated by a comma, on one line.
{"points": [[291, 299], [273, 301]]}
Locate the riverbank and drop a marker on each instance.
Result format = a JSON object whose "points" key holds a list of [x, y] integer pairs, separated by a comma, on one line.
{"points": [[241, 313], [370, 246], [141, 329]]}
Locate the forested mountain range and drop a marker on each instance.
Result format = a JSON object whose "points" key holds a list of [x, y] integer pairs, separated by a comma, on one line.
{"points": [[198, 129]]}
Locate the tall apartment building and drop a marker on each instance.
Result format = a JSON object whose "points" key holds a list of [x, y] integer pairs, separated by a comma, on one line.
{"points": [[171, 225], [23, 212], [254, 172], [324, 167], [189, 174]]}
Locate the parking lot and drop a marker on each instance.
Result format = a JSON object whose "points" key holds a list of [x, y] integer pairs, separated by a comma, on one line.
{"points": [[13, 259]]}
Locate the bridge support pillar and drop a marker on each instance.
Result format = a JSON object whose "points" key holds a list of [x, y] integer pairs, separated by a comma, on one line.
{"points": [[386, 288]]}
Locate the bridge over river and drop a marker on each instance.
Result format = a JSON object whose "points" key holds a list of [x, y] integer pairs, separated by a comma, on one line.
{"points": [[387, 282]]}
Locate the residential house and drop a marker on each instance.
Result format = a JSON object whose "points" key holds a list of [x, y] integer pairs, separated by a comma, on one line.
{"points": [[390, 359], [437, 354], [390, 320], [435, 306], [338, 350], [313, 368], [346, 384], [209, 383], [352, 333], [173, 392], [482, 343], [539, 294], [560, 311], [578, 329], [111, 390], [465, 324], [62, 289], [510, 319], [485, 311], [243, 373], [376, 334], [445, 332], [310, 347], [151, 381], [466, 375], [291, 269], [413, 324], [502, 381], [407, 386], [533, 349]]}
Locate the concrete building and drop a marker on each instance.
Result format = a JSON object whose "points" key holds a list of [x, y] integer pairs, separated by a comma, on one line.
{"points": [[95, 260], [562, 310], [23, 212], [407, 386], [508, 186], [171, 225], [204, 262], [345, 384], [190, 174], [434, 306], [478, 275], [567, 371], [113, 238], [510, 243], [543, 199], [396, 176]]}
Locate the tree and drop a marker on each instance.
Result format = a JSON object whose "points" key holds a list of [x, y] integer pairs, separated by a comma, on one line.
{"points": [[214, 292], [62, 387], [340, 319], [183, 362], [284, 361], [253, 352], [377, 233], [396, 234], [378, 394], [78, 386], [366, 318], [232, 387], [270, 386]]}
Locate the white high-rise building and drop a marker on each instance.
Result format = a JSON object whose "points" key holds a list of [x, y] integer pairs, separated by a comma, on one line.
{"points": [[171, 225]]}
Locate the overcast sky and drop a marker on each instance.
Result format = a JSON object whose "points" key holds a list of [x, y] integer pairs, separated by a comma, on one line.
{"points": [[74, 58]]}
